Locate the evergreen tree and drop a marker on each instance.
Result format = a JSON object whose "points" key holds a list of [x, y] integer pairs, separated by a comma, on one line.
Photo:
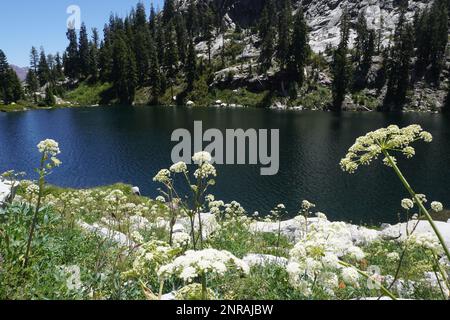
{"points": [[439, 39], [152, 21], [34, 59], [32, 84], [300, 49], [182, 37], [399, 65], [267, 50], [208, 32], [191, 67], [140, 16], [49, 96], [94, 55], [171, 55], [284, 35], [71, 62], [341, 65], [267, 19], [58, 71], [431, 31], [169, 11], [14, 87], [43, 69], [192, 19], [83, 52], [363, 53], [123, 71], [10, 86]]}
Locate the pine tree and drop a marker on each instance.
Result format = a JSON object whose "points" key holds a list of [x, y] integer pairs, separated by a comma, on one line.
{"points": [[300, 49], [267, 19], [439, 36], [32, 84], [399, 65], [171, 55], [94, 55], [208, 32], [152, 21], [182, 37], [123, 71], [284, 35], [58, 71], [191, 67], [49, 96], [141, 16], [341, 65], [363, 53], [43, 69], [71, 63], [192, 19], [267, 50], [83, 52], [169, 11], [34, 59]]}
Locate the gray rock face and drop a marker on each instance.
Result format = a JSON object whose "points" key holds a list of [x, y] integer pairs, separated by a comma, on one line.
{"points": [[323, 16], [7, 191]]}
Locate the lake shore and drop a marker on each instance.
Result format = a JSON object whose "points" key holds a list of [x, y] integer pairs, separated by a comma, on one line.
{"points": [[13, 108]]}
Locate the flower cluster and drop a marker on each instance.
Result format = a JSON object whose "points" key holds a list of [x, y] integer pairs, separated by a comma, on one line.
{"points": [[181, 239], [163, 176], [179, 167], [314, 260], [50, 147], [437, 206], [202, 157], [369, 147], [151, 256], [194, 264], [407, 204], [426, 240]]}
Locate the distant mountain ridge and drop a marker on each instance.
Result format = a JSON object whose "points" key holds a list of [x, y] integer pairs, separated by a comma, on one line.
{"points": [[21, 72]]}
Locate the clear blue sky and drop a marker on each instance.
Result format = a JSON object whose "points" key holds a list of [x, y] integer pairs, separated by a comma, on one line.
{"points": [[26, 23]]}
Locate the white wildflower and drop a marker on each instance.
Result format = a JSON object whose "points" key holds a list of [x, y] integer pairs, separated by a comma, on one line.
{"points": [[163, 176], [407, 204], [437, 206], [202, 157], [179, 167], [350, 276], [49, 146]]}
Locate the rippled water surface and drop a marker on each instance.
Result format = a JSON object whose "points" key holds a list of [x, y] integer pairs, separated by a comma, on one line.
{"points": [[122, 144]]}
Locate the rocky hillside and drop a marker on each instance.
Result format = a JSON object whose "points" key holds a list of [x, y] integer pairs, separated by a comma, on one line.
{"points": [[323, 15]]}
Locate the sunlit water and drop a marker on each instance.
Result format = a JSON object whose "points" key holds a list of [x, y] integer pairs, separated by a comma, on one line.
{"points": [[102, 146]]}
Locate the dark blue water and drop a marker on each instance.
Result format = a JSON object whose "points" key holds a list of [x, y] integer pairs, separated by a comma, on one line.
{"points": [[102, 146]]}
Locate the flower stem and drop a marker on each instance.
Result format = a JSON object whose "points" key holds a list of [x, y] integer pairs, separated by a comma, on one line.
{"points": [[365, 275], [419, 203], [204, 288], [36, 212]]}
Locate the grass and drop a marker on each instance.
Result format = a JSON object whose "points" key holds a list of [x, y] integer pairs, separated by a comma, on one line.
{"points": [[86, 94], [18, 107], [104, 266]]}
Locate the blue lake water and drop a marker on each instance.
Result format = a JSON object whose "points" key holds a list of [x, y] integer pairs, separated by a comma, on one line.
{"points": [[106, 145]]}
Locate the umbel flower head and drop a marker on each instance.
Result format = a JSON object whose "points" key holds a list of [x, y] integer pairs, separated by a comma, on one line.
{"points": [[49, 146], [379, 142]]}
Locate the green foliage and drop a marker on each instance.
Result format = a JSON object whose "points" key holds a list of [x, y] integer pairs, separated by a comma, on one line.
{"points": [[87, 94], [10, 86], [341, 65], [399, 65], [49, 99]]}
